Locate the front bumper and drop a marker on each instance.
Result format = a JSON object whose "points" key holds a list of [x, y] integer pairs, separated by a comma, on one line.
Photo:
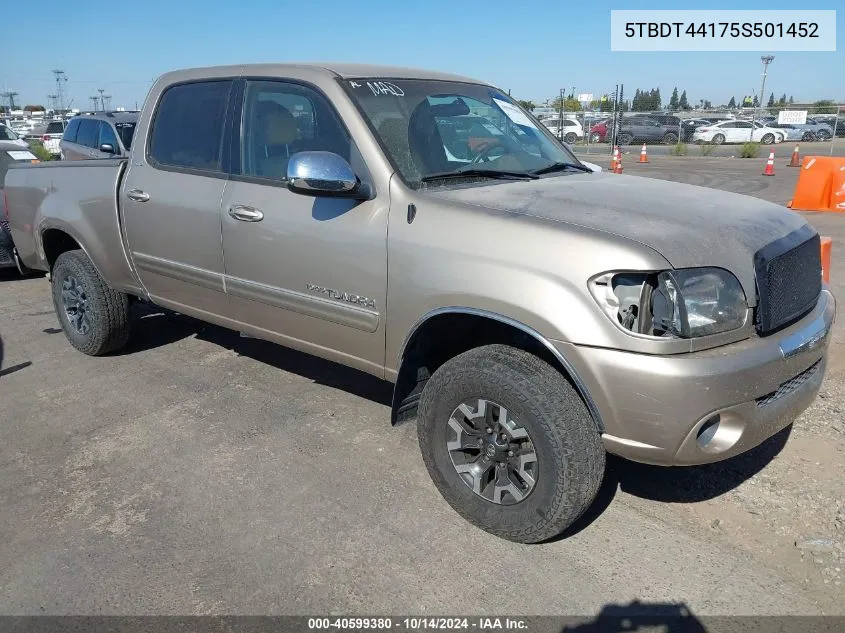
{"points": [[705, 406]]}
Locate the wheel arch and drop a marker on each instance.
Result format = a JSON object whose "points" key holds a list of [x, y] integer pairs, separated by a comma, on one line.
{"points": [[455, 330]]}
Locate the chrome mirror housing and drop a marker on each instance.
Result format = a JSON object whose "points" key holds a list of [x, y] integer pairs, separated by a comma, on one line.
{"points": [[324, 174]]}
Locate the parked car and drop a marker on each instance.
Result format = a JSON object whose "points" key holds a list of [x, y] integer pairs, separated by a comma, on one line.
{"points": [[689, 126], [8, 135], [641, 129], [101, 135], [737, 132], [535, 315], [794, 132], [821, 130], [598, 133], [51, 136], [10, 153], [572, 129]]}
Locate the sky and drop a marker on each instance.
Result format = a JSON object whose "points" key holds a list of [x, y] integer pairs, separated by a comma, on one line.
{"points": [[532, 49]]}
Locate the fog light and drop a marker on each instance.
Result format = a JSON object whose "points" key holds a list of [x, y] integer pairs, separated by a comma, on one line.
{"points": [[708, 431]]}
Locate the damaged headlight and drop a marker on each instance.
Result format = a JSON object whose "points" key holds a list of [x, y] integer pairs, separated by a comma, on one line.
{"points": [[684, 303]]}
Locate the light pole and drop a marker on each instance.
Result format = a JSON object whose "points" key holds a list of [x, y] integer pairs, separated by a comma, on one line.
{"points": [[766, 59]]}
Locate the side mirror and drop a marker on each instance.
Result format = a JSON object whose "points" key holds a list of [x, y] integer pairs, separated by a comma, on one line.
{"points": [[108, 148], [324, 174]]}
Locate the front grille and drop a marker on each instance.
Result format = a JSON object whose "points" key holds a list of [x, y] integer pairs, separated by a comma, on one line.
{"points": [[789, 279], [790, 385]]}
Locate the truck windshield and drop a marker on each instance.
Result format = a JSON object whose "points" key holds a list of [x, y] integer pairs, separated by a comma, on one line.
{"points": [[431, 128]]}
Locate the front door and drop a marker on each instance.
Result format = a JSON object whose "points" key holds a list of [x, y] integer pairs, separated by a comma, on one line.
{"points": [[309, 272], [171, 200]]}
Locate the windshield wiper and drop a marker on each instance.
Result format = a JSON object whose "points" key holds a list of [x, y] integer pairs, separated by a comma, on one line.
{"points": [[486, 173], [548, 169]]}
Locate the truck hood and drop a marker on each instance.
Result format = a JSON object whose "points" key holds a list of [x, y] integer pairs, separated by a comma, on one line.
{"points": [[688, 225]]}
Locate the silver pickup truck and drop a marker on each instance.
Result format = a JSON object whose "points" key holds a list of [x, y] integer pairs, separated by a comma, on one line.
{"points": [[422, 227]]}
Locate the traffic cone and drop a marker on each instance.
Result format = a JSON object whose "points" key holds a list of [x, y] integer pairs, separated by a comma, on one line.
{"points": [[614, 158], [643, 155], [770, 164], [618, 168], [795, 161]]}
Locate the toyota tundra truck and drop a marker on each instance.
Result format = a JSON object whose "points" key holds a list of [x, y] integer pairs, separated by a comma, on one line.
{"points": [[532, 313]]}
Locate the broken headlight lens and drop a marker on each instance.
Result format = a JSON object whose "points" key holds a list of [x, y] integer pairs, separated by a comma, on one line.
{"points": [[697, 302], [684, 303]]}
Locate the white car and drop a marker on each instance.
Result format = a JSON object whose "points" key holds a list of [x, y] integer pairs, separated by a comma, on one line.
{"points": [[737, 132], [572, 130], [8, 135], [52, 136]]}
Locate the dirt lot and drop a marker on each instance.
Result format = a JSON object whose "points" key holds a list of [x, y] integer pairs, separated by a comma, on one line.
{"points": [[199, 472]]}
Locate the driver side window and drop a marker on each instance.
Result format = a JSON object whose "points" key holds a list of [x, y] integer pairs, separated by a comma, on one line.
{"points": [[281, 119]]}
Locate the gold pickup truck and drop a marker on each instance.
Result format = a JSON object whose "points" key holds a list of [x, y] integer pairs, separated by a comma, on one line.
{"points": [[532, 312]]}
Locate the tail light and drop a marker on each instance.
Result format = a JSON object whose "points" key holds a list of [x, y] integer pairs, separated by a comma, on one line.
{"points": [[46, 137], [703, 129]]}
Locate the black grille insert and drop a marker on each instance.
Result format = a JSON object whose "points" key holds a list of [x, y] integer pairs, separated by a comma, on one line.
{"points": [[790, 385], [789, 279]]}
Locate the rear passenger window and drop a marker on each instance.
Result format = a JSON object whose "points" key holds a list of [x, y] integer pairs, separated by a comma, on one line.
{"points": [[187, 130], [70, 132], [87, 134]]}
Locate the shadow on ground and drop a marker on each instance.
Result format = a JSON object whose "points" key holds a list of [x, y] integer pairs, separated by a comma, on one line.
{"points": [[640, 616], [154, 327]]}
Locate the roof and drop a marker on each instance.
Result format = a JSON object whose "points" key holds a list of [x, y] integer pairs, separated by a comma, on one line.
{"points": [[343, 70], [117, 117]]}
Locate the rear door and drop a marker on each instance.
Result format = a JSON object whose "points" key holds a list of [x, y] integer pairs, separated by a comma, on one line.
{"points": [[741, 131], [171, 198], [86, 138]]}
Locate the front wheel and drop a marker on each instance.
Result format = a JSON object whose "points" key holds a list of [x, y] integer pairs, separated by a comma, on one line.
{"points": [[95, 318], [509, 443], [768, 139], [624, 139], [823, 135]]}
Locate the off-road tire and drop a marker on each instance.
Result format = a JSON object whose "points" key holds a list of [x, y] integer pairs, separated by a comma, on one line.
{"points": [[570, 454], [108, 310]]}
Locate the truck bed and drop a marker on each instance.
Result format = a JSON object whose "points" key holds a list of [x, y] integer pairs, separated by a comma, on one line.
{"points": [[78, 198]]}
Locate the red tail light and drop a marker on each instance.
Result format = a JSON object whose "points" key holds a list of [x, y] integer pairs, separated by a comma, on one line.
{"points": [[46, 137], [704, 129]]}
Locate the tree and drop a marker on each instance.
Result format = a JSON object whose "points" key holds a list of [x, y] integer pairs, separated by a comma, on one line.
{"points": [[756, 102], [528, 105], [683, 104], [673, 100], [823, 106], [656, 101], [569, 105], [707, 105], [34, 108], [732, 104], [782, 100], [771, 103], [791, 100]]}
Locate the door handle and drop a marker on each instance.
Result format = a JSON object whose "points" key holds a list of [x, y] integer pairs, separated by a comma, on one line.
{"points": [[245, 213], [137, 195]]}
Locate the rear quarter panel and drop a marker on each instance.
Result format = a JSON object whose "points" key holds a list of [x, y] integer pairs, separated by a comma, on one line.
{"points": [[78, 198]]}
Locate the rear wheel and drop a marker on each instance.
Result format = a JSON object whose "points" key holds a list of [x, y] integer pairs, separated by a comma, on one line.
{"points": [[95, 318], [808, 136], [509, 443], [719, 139], [570, 137], [670, 138]]}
